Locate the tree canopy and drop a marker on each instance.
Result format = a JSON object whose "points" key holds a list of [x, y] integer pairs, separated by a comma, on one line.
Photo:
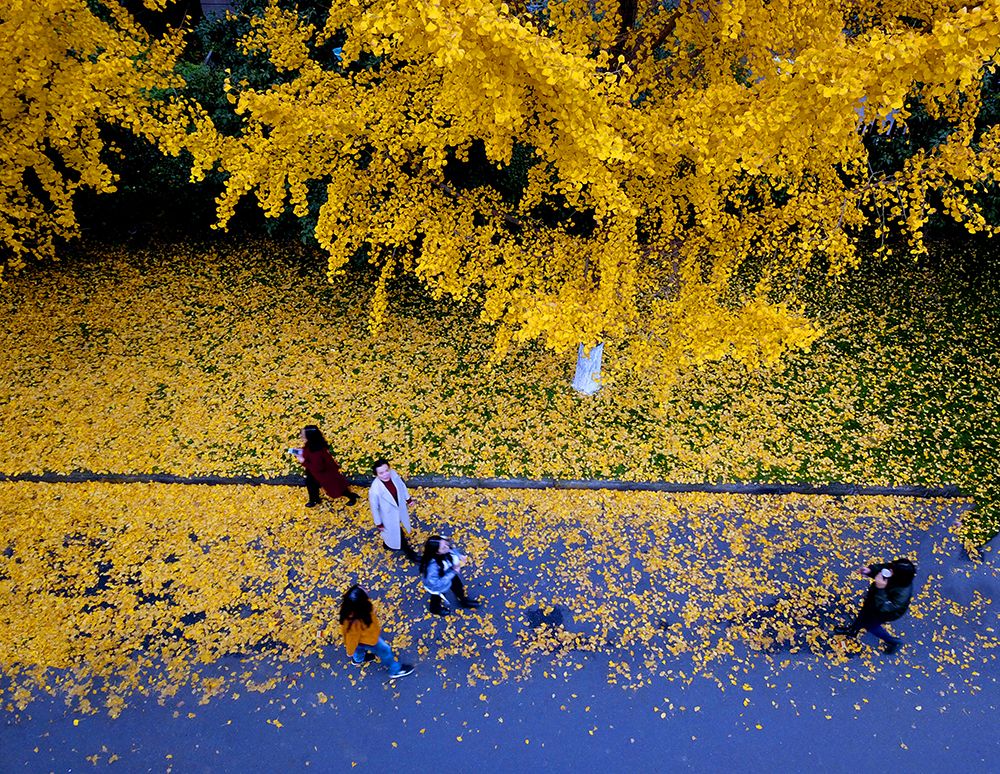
{"points": [[683, 162], [72, 70], [660, 175]]}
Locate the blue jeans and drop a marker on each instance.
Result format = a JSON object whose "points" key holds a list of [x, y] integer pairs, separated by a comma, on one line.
{"points": [[875, 627], [879, 632], [380, 649]]}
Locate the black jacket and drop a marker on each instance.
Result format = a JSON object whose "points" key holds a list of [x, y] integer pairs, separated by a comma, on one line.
{"points": [[893, 601]]}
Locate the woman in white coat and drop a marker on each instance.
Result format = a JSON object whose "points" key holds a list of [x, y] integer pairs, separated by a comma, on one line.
{"points": [[389, 498]]}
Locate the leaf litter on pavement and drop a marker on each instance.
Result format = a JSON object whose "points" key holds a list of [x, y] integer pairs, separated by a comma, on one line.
{"points": [[112, 591], [206, 358]]}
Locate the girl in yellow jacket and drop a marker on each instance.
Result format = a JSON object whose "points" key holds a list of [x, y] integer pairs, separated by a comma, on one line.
{"points": [[362, 633]]}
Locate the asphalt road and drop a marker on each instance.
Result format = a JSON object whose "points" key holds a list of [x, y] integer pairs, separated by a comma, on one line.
{"points": [[912, 712], [798, 718]]}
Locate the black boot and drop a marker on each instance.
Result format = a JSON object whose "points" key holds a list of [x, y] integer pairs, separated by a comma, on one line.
{"points": [[458, 589], [412, 555], [891, 646], [352, 499], [437, 607]]}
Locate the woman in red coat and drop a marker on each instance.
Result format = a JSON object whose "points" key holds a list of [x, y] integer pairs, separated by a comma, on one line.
{"points": [[322, 469]]}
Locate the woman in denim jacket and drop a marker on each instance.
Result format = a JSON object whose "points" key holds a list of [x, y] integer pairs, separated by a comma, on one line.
{"points": [[439, 568]]}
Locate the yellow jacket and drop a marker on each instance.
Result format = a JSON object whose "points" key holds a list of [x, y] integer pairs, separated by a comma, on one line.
{"points": [[355, 633]]}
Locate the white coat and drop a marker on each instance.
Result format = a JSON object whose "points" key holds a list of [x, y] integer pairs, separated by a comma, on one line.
{"points": [[386, 511]]}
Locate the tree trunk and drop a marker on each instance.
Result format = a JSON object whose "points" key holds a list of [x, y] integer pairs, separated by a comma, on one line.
{"points": [[588, 370]]}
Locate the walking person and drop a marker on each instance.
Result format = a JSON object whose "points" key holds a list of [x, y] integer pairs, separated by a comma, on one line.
{"points": [[363, 633], [390, 501], [439, 568], [322, 470], [887, 599]]}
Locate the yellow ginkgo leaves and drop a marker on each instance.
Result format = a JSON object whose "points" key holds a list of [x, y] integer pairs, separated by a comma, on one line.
{"points": [[208, 359], [109, 590], [664, 179], [71, 70]]}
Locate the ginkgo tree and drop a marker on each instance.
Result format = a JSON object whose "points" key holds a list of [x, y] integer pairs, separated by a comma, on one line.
{"points": [[683, 163], [72, 69], [714, 150]]}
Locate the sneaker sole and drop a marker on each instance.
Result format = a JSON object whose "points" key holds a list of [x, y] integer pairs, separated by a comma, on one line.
{"points": [[396, 677]]}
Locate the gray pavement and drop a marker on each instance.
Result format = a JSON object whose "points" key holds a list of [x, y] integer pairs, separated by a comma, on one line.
{"points": [[798, 719], [789, 711]]}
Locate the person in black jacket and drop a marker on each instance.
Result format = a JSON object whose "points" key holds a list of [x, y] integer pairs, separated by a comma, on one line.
{"points": [[888, 599]]}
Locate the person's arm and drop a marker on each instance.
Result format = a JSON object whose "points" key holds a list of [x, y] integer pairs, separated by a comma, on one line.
{"points": [[894, 601], [451, 570], [351, 637], [437, 576], [401, 490], [322, 463], [309, 459], [373, 502]]}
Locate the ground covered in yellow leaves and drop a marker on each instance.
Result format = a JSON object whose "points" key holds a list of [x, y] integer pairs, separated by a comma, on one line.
{"points": [[108, 591], [200, 359], [208, 359]]}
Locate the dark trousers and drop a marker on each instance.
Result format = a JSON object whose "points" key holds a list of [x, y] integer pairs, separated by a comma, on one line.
{"points": [[405, 546], [874, 626], [312, 487], [456, 588]]}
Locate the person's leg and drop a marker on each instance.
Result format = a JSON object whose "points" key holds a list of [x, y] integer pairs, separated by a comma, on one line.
{"points": [[878, 631], [873, 625], [396, 668], [437, 605], [412, 555], [891, 643], [312, 486], [459, 591], [361, 654], [861, 621], [849, 629], [384, 653], [351, 497], [403, 545]]}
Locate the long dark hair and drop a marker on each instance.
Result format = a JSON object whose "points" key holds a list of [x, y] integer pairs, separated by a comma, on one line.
{"points": [[356, 606], [431, 547], [314, 439]]}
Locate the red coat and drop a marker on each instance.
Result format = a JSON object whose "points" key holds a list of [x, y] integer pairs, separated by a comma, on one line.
{"points": [[324, 468]]}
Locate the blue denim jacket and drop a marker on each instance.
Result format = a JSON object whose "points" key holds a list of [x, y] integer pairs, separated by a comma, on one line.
{"points": [[439, 576]]}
